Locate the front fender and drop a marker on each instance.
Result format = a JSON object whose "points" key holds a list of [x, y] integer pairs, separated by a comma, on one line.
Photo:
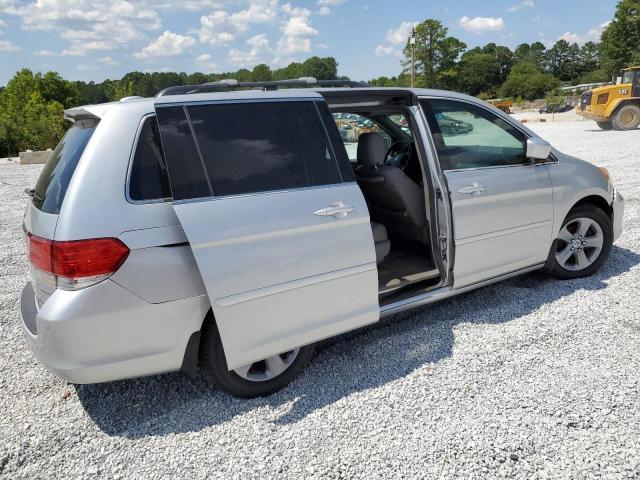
{"points": [[573, 180], [611, 108]]}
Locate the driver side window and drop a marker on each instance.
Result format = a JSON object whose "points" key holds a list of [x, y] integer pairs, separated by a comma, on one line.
{"points": [[468, 136]]}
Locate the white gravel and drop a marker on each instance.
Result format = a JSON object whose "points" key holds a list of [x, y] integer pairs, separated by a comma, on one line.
{"points": [[529, 378]]}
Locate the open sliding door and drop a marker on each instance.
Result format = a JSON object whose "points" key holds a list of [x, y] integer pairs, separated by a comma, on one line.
{"points": [[279, 229]]}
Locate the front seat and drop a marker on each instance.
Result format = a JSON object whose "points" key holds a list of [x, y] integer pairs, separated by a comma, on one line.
{"points": [[394, 199]]}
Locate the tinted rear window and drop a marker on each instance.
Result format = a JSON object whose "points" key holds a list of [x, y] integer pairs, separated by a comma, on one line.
{"points": [[54, 179], [248, 148], [149, 179]]}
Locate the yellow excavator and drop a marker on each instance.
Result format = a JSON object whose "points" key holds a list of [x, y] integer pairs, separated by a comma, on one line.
{"points": [[614, 106]]}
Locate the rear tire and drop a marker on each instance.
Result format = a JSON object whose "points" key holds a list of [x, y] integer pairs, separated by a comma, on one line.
{"points": [[626, 118], [605, 125], [583, 244], [214, 365]]}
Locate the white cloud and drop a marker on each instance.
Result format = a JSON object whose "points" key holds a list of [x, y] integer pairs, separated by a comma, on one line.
{"points": [[260, 11], [87, 67], [482, 24], [324, 10], [296, 31], [43, 53], [2, 24], [110, 62], [299, 22], [7, 46], [190, 5], [593, 35], [395, 38], [521, 6], [401, 34], [331, 2], [205, 63], [88, 25], [168, 44], [223, 28], [217, 29], [385, 51], [246, 58]]}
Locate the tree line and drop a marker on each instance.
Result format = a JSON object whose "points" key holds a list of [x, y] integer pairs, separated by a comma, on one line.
{"points": [[529, 71], [32, 104]]}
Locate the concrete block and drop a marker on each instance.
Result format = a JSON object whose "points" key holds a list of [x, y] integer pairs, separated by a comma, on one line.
{"points": [[30, 158]]}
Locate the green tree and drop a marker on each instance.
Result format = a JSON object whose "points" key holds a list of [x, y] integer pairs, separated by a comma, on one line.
{"points": [[563, 60], [53, 87], [528, 82], [589, 59], [28, 118], [534, 54], [320, 68], [554, 99], [435, 54], [120, 89], [261, 73], [620, 41], [478, 72], [293, 70]]}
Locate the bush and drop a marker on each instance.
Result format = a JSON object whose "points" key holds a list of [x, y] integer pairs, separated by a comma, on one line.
{"points": [[528, 82]]}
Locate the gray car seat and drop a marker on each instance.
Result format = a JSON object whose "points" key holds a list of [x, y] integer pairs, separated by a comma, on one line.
{"points": [[393, 198]]}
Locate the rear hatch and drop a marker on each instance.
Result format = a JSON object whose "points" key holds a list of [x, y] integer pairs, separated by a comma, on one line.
{"points": [[42, 211]]}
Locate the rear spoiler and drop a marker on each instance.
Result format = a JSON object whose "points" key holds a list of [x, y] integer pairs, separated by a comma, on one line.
{"points": [[85, 116]]}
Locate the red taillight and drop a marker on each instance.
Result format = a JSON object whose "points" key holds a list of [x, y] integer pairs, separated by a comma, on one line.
{"points": [[40, 253], [77, 258]]}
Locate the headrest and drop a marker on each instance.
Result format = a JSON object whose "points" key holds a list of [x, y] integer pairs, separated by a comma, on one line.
{"points": [[372, 149]]}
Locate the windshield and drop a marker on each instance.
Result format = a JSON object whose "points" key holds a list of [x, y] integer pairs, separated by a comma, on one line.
{"points": [[55, 176], [627, 77]]}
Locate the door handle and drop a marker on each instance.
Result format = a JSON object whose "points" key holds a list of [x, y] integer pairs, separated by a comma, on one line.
{"points": [[473, 189], [335, 209]]}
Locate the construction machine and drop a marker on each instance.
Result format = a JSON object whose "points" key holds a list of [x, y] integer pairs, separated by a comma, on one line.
{"points": [[614, 106]]}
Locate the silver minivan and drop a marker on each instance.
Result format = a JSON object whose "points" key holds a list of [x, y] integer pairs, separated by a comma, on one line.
{"points": [[230, 226]]}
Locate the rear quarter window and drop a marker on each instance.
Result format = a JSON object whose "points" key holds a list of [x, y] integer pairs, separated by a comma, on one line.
{"points": [[54, 179], [148, 179]]}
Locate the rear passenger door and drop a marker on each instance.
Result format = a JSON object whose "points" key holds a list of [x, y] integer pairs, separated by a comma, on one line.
{"points": [[279, 229]]}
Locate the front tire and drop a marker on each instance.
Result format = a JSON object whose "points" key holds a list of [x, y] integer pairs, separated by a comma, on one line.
{"points": [[626, 118], [256, 380], [583, 244], [605, 125]]}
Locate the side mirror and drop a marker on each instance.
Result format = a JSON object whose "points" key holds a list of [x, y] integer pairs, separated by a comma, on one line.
{"points": [[538, 149]]}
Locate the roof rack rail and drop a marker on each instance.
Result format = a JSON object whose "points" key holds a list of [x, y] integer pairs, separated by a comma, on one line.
{"points": [[230, 83]]}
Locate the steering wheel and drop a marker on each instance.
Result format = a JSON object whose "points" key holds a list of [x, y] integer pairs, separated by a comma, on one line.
{"points": [[399, 154]]}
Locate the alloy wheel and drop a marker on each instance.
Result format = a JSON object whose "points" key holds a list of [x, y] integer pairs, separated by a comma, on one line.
{"points": [[579, 244], [268, 368]]}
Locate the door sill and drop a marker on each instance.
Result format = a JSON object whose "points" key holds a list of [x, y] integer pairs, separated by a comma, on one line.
{"points": [[434, 295]]}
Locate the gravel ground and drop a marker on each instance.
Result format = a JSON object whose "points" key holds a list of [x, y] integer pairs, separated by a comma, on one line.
{"points": [[529, 378]]}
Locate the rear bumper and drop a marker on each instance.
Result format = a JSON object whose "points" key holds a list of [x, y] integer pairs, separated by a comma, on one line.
{"points": [[104, 332], [618, 214]]}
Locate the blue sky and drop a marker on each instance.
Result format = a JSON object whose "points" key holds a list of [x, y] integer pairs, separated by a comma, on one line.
{"points": [[98, 39]]}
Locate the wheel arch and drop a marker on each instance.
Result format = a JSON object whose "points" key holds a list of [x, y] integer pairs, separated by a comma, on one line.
{"points": [[596, 201], [618, 104], [191, 356]]}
